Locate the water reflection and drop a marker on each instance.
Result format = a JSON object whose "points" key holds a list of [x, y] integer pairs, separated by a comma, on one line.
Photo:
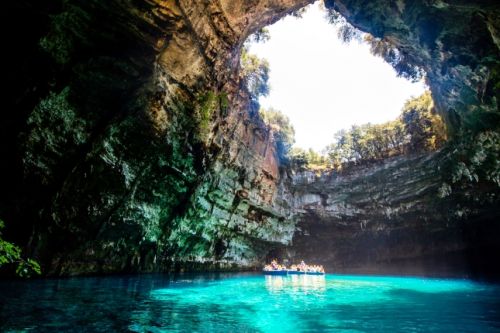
{"points": [[249, 303], [315, 283]]}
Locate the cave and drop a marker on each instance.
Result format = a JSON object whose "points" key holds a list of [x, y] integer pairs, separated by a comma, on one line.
{"points": [[129, 144]]}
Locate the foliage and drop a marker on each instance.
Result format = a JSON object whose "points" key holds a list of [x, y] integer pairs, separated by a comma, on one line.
{"points": [[260, 36], [281, 128], [346, 32], [475, 159], [366, 143], [418, 129], [299, 159], [11, 254], [299, 13], [54, 128], [382, 47], [208, 104], [424, 125], [470, 161], [254, 71], [67, 29], [398, 59], [302, 159]]}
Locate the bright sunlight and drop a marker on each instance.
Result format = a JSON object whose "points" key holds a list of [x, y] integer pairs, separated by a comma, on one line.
{"points": [[324, 85]]}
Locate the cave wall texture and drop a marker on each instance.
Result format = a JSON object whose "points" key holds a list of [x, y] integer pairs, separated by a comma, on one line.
{"points": [[386, 218], [129, 144]]}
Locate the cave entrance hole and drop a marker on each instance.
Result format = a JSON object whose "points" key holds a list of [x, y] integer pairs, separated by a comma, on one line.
{"points": [[323, 83]]}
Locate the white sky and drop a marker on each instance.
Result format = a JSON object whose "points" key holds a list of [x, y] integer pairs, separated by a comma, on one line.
{"points": [[323, 85]]}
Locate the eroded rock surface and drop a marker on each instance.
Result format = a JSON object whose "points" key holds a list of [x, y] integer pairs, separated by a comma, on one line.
{"points": [[129, 143], [389, 218], [455, 42]]}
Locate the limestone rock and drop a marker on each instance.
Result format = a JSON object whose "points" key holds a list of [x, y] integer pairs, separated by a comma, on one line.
{"points": [[110, 165]]}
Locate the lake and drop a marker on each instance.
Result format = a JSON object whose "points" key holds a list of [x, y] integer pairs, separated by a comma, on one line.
{"points": [[249, 303]]}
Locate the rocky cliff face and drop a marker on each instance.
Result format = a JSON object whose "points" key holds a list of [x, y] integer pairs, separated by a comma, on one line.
{"points": [[389, 217], [130, 144], [455, 42], [134, 146]]}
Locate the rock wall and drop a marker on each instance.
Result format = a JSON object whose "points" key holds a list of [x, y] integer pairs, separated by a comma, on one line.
{"points": [[390, 218], [455, 42], [132, 144], [129, 143]]}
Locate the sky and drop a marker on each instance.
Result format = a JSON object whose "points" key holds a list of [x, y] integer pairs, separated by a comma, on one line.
{"points": [[324, 85]]}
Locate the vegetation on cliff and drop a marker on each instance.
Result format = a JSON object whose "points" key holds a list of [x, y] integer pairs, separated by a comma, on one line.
{"points": [[281, 129], [206, 107], [399, 59], [419, 128], [471, 161], [254, 71], [118, 160], [11, 254]]}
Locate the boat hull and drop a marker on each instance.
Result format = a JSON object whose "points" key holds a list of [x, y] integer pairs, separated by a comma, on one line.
{"points": [[291, 273], [275, 272]]}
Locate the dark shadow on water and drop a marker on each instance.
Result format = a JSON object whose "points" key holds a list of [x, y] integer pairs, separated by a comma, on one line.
{"points": [[109, 304], [124, 304]]}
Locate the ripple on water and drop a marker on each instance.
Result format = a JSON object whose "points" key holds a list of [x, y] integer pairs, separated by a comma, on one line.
{"points": [[250, 303]]}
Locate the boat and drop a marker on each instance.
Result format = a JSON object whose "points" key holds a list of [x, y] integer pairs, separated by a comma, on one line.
{"points": [[275, 272], [275, 269], [296, 272], [305, 273], [290, 272], [315, 273]]}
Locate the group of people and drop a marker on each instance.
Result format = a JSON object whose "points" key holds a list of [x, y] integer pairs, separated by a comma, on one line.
{"points": [[302, 267]]}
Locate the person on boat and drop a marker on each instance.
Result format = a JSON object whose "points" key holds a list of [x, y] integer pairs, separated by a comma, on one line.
{"points": [[302, 266]]}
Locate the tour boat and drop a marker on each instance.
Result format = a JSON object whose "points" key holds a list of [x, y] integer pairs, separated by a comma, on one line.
{"points": [[275, 272], [305, 273], [315, 273], [286, 272], [296, 272]]}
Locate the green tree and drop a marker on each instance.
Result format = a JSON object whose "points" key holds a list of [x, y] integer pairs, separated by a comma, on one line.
{"points": [[424, 126], [298, 159], [260, 36], [281, 128], [346, 32], [302, 159], [254, 71], [11, 254], [418, 129], [400, 60]]}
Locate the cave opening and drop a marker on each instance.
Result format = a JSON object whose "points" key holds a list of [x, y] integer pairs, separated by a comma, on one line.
{"points": [[162, 172], [320, 82], [426, 124], [132, 143]]}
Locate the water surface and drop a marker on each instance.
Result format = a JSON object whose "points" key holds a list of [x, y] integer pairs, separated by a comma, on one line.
{"points": [[249, 303]]}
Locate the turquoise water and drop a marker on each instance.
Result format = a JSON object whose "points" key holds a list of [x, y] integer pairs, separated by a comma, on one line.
{"points": [[249, 303]]}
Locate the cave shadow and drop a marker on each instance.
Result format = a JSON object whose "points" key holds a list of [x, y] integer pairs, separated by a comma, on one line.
{"points": [[112, 304], [416, 311]]}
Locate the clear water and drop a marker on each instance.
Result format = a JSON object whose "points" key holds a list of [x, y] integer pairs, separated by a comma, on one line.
{"points": [[249, 303]]}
